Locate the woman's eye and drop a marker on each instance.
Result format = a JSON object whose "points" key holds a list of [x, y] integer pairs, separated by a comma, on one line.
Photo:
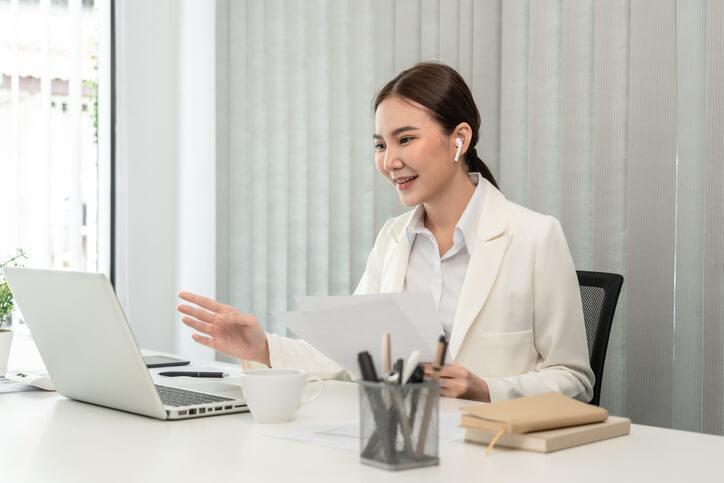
{"points": [[405, 140], [379, 147]]}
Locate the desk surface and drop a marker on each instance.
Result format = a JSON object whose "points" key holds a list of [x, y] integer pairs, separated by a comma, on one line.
{"points": [[45, 437]]}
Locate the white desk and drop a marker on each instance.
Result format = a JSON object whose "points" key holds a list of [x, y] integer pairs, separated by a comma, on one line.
{"points": [[47, 438]]}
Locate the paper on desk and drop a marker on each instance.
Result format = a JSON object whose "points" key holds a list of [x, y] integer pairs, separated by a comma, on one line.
{"points": [[8, 385], [341, 328], [345, 434]]}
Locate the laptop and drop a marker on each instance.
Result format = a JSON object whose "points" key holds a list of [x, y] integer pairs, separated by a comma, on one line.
{"points": [[90, 352]]}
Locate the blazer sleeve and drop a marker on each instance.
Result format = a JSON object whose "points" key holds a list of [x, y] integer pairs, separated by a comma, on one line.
{"points": [[287, 353], [558, 328]]}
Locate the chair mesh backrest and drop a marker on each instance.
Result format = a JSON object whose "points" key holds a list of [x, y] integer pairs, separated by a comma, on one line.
{"points": [[592, 298], [599, 296]]}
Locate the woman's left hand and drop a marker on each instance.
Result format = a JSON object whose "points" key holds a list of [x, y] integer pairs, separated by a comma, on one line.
{"points": [[457, 381]]}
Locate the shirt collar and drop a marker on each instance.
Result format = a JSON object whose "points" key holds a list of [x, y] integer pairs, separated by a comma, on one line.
{"points": [[466, 225]]}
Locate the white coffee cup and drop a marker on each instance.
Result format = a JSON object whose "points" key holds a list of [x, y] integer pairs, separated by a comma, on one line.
{"points": [[273, 395]]}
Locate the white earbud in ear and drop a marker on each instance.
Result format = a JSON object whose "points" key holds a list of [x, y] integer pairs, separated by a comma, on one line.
{"points": [[459, 144]]}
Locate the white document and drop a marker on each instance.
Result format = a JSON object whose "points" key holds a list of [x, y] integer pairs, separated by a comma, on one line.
{"points": [[345, 434], [342, 326]]}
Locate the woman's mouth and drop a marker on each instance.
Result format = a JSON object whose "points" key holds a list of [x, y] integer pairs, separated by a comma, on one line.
{"points": [[404, 183]]}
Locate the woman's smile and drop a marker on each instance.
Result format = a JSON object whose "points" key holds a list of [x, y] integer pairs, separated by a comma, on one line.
{"points": [[404, 182]]}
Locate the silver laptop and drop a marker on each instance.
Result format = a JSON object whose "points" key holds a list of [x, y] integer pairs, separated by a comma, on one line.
{"points": [[89, 349]]}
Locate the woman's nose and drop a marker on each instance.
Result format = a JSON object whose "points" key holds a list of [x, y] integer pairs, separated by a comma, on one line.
{"points": [[391, 161]]}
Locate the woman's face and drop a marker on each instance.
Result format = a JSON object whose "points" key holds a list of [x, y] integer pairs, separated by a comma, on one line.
{"points": [[412, 151]]}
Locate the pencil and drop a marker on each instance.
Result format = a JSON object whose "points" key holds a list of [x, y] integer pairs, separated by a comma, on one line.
{"points": [[386, 358]]}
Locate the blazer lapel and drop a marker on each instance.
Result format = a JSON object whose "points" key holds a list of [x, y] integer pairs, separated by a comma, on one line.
{"points": [[483, 267]]}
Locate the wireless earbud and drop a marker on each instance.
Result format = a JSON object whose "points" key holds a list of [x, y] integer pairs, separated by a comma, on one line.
{"points": [[459, 144]]}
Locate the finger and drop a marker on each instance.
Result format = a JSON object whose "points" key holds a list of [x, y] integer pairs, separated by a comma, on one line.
{"points": [[447, 391], [208, 342], [452, 370], [451, 388], [201, 301], [198, 325], [197, 313]]}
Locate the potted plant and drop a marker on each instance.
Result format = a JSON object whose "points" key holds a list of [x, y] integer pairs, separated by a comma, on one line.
{"points": [[6, 310]]}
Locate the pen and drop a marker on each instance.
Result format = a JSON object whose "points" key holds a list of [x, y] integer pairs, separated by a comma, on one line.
{"points": [[369, 374], [399, 364], [193, 374], [436, 367], [416, 378]]}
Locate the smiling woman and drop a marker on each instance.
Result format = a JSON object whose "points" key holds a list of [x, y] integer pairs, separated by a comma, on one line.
{"points": [[501, 276]]}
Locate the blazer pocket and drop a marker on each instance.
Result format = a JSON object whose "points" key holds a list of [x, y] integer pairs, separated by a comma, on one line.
{"points": [[507, 353]]}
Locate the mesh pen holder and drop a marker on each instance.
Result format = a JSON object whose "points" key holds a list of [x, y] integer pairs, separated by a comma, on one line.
{"points": [[399, 424]]}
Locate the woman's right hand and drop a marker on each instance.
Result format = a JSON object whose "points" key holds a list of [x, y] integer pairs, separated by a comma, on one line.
{"points": [[230, 331]]}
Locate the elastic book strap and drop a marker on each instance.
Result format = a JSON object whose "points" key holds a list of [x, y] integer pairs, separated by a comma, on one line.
{"points": [[493, 441]]}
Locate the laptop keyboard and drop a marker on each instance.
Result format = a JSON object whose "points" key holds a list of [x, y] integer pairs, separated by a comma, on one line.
{"points": [[173, 396]]}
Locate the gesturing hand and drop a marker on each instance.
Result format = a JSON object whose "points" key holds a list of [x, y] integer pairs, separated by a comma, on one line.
{"points": [[229, 331], [457, 381]]}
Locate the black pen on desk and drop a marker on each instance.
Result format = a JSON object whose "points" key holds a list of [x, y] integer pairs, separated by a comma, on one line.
{"points": [[193, 374], [367, 367]]}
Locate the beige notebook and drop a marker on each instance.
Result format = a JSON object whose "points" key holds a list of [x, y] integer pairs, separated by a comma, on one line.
{"points": [[532, 413], [553, 439]]}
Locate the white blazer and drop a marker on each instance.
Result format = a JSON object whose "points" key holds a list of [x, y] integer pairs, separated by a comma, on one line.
{"points": [[519, 322]]}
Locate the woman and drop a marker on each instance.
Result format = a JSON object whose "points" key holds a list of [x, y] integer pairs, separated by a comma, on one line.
{"points": [[501, 275]]}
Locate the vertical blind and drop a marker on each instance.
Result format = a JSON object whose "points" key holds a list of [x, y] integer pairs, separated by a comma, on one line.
{"points": [[606, 114]]}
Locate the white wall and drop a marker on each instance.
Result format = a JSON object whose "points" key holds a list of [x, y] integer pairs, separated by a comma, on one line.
{"points": [[165, 177]]}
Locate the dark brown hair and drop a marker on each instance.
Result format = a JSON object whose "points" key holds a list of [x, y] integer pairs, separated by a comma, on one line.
{"points": [[443, 92]]}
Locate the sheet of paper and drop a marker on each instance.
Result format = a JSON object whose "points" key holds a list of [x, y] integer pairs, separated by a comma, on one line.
{"points": [[7, 385], [345, 435], [341, 331], [418, 307]]}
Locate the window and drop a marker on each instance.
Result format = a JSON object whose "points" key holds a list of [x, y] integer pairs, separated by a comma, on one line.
{"points": [[53, 190]]}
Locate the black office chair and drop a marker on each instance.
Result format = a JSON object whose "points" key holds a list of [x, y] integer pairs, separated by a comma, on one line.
{"points": [[599, 294]]}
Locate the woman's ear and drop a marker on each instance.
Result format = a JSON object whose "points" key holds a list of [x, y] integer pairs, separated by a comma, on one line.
{"points": [[462, 131]]}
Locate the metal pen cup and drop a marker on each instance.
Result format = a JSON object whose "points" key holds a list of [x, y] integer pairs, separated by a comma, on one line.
{"points": [[399, 424]]}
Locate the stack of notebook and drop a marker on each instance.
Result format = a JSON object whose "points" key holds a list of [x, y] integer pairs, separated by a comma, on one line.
{"points": [[543, 423]]}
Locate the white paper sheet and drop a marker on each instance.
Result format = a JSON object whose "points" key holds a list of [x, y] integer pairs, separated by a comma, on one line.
{"points": [[7, 385], [342, 326], [418, 307], [345, 435]]}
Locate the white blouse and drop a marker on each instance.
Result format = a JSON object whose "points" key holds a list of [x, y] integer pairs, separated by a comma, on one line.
{"points": [[443, 275]]}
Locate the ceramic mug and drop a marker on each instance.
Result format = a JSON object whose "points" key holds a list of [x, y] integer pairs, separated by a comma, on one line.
{"points": [[273, 395]]}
